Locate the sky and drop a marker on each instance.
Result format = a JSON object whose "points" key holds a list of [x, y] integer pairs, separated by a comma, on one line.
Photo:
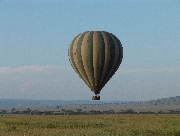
{"points": [[35, 36]]}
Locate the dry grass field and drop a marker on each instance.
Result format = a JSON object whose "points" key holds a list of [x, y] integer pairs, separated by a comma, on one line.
{"points": [[90, 125]]}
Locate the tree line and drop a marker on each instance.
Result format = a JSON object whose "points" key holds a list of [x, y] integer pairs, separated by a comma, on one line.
{"points": [[28, 111]]}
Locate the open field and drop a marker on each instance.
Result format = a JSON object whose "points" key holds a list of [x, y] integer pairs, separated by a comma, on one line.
{"points": [[90, 125]]}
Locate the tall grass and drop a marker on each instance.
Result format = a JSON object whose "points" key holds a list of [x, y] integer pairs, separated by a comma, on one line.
{"points": [[90, 125]]}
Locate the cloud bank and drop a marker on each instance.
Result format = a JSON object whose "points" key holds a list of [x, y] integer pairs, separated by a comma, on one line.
{"points": [[35, 82], [62, 83]]}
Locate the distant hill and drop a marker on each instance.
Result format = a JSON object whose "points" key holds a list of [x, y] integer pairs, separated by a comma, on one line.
{"points": [[172, 101], [8, 103]]}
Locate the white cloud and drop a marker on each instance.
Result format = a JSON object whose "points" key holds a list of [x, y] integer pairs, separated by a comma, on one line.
{"points": [[35, 68], [57, 82], [35, 82], [145, 84]]}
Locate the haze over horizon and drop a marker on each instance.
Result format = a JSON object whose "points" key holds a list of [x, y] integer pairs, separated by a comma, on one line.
{"points": [[35, 36]]}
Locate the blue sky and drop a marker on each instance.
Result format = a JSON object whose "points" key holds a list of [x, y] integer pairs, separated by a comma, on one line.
{"points": [[35, 36]]}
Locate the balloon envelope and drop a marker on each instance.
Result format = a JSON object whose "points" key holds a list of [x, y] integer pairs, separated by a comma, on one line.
{"points": [[95, 56]]}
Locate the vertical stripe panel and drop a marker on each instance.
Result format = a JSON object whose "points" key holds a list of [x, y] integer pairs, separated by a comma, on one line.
{"points": [[95, 57], [79, 58], [119, 58], [85, 59], [75, 57], [72, 53], [116, 56], [106, 56], [101, 56], [120, 47], [111, 57], [90, 57]]}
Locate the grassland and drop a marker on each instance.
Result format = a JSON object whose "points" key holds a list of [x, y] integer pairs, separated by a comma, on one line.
{"points": [[90, 125]]}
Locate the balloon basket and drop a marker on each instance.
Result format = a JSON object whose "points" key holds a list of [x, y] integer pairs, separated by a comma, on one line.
{"points": [[96, 98]]}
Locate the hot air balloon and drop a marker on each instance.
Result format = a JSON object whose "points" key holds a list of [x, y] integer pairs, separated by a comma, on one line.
{"points": [[95, 56]]}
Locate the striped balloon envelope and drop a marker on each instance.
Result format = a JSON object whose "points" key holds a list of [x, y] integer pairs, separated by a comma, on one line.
{"points": [[95, 56]]}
